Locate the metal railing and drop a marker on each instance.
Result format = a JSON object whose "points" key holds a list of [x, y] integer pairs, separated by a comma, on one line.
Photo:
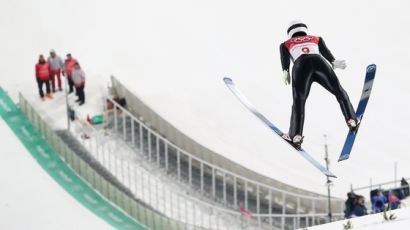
{"points": [[137, 210], [268, 205], [392, 185]]}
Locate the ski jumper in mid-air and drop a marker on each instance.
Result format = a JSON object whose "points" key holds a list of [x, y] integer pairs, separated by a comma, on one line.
{"points": [[312, 62]]}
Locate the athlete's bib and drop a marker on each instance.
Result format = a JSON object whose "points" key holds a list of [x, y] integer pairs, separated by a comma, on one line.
{"points": [[302, 45]]}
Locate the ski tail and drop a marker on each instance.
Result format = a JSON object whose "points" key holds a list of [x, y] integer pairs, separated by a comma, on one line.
{"points": [[250, 106]]}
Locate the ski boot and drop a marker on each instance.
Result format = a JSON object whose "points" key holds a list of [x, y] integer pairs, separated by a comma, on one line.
{"points": [[353, 124], [296, 141]]}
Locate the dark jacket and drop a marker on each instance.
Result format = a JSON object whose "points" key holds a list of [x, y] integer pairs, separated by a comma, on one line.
{"points": [[349, 204], [359, 210], [403, 183]]}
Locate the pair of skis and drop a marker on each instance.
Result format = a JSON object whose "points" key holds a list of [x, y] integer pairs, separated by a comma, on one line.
{"points": [[351, 136]]}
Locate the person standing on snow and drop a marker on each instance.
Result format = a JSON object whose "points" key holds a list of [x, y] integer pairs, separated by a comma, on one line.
{"points": [[78, 78], [68, 71], [394, 201], [42, 70], [359, 207], [379, 202], [312, 62], [56, 65]]}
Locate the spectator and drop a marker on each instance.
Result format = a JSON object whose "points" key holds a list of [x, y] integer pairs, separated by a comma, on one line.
{"points": [[405, 186], [359, 207], [56, 65], [43, 77], [351, 197], [378, 202], [68, 71], [394, 201], [78, 78]]}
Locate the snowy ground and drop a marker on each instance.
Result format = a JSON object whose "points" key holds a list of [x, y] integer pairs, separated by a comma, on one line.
{"points": [[173, 55], [373, 222], [30, 198]]}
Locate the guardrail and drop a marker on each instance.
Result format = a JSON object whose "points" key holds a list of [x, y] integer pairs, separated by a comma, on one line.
{"points": [[379, 186], [228, 189], [148, 217]]}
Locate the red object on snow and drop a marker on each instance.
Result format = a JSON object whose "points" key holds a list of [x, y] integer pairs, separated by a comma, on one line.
{"points": [[244, 212], [89, 120]]}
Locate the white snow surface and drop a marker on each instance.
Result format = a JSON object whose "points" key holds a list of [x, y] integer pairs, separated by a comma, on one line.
{"points": [[30, 198], [174, 54], [373, 222]]}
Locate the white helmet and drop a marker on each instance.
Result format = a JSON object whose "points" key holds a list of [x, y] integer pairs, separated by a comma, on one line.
{"points": [[296, 26]]}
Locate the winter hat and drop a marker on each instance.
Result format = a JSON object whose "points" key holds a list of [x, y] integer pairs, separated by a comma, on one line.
{"points": [[296, 26]]}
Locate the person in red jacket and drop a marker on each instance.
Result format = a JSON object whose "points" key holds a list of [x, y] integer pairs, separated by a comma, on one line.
{"points": [[43, 77], [69, 64]]}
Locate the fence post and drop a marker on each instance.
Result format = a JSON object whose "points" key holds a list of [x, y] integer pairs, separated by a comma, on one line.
{"points": [[283, 209]]}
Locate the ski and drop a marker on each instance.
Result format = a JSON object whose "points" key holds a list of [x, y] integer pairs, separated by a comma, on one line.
{"points": [[231, 85], [367, 89]]}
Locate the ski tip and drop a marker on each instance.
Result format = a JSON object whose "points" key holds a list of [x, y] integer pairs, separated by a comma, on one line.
{"points": [[329, 174], [343, 157], [371, 68], [227, 80]]}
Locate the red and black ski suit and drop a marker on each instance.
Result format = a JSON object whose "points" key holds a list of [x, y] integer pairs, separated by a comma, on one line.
{"points": [[309, 55]]}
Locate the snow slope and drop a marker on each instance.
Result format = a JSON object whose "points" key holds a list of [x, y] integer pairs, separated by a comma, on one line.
{"points": [[373, 222], [30, 198], [173, 55]]}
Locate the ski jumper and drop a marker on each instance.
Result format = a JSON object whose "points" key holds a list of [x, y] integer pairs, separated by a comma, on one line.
{"points": [[309, 54]]}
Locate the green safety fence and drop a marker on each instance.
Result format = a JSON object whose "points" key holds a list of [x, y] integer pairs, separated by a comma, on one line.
{"points": [[64, 175]]}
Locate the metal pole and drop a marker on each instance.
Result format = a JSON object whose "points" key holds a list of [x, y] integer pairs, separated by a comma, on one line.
{"points": [[190, 170], [66, 102], [202, 177], [213, 183], [328, 181], [132, 133], [235, 192], [179, 165], [224, 188], [258, 203], [395, 174], [283, 211], [270, 207]]}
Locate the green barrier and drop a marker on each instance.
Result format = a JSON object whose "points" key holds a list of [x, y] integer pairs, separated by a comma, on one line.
{"points": [[51, 162]]}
